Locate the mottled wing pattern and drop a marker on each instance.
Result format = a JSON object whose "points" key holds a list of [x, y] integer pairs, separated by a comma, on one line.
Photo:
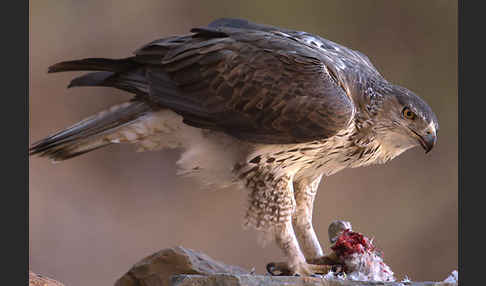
{"points": [[329, 47], [256, 85]]}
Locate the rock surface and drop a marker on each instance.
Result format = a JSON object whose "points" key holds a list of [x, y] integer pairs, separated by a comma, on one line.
{"points": [[39, 280], [156, 269], [261, 280], [184, 267]]}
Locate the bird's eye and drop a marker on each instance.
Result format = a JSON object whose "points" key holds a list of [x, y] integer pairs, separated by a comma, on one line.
{"points": [[407, 113]]}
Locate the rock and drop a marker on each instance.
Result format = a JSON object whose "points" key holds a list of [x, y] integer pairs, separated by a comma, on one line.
{"points": [[185, 267], [39, 280], [262, 280], [156, 269]]}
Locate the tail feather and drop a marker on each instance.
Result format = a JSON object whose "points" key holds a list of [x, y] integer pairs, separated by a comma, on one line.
{"points": [[97, 131], [90, 133], [92, 79], [133, 81], [95, 64], [124, 74]]}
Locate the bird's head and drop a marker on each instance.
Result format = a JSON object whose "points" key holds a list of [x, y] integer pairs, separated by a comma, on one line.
{"points": [[406, 121]]}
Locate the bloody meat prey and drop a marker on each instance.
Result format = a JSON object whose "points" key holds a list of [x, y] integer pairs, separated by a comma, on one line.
{"points": [[354, 256]]}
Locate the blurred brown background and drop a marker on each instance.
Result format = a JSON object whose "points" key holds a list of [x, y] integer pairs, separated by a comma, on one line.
{"points": [[94, 216]]}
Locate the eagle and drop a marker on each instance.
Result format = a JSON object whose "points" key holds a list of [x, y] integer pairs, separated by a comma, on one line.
{"points": [[265, 109]]}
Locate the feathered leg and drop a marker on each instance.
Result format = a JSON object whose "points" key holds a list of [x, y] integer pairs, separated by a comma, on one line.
{"points": [[272, 206], [305, 192], [296, 237]]}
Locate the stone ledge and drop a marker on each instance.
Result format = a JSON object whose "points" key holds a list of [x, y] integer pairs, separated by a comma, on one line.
{"points": [[181, 266], [265, 280]]}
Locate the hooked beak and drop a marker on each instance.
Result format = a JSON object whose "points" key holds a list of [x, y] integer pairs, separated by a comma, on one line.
{"points": [[426, 141]]}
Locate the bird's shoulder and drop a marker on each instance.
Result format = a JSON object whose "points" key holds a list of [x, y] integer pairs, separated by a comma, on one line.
{"points": [[231, 32], [323, 45]]}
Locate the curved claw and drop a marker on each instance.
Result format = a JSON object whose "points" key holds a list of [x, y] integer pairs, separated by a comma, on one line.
{"points": [[281, 267], [337, 268]]}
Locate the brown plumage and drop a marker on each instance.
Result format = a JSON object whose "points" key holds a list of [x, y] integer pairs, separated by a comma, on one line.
{"points": [[267, 109]]}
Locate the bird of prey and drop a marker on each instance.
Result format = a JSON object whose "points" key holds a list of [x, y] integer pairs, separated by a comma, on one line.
{"points": [[267, 109]]}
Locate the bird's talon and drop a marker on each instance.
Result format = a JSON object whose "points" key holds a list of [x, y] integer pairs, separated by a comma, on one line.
{"points": [[271, 268], [303, 269], [278, 269]]}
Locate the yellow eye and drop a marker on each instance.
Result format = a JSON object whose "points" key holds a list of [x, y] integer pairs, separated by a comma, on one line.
{"points": [[407, 113]]}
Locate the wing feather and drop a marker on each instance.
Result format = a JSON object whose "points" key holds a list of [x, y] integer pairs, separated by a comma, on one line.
{"points": [[256, 85]]}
